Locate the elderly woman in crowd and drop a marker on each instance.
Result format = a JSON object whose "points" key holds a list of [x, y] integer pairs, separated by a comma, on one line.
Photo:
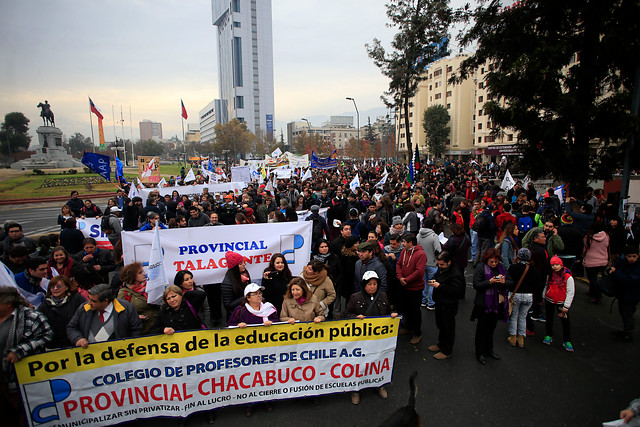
{"points": [[61, 302], [133, 290], [300, 304]]}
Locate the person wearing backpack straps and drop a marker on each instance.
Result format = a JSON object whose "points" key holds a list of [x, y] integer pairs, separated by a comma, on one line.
{"points": [[521, 299]]}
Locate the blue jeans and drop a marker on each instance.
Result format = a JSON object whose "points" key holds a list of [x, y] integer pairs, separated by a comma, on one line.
{"points": [[518, 319], [474, 243], [427, 293]]}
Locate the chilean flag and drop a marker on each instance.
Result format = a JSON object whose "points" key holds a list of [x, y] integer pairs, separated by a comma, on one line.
{"points": [[184, 110], [97, 112]]}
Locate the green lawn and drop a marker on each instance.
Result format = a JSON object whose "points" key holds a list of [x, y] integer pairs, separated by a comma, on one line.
{"points": [[29, 185]]}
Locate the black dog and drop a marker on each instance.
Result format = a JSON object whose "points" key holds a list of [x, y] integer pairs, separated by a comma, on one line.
{"points": [[407, 415]]}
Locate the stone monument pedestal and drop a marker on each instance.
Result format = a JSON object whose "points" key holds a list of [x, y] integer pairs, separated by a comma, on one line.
{"points": [[50, 154]]}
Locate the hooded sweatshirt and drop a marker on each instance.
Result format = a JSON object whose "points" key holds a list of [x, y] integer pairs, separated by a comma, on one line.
{"points": [[597, 253], [428, 239], [411, 265]]}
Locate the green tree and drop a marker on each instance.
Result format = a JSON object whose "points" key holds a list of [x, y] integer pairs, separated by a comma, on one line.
{"points": [[149, 148], [233, 137], [78, 143], [14, 133], [422, 37], [436, 125], [561, 76], [369, 131]]}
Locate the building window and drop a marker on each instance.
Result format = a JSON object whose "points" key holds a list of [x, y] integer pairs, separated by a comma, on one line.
{"points": [[489, 125], [410, 124], [489, 139], [448, 93], [239, 101], [481, 85], [479, 112], [479, 126], [402, 135], [237, 24], [237, 62], [235, 5], [449, 69], [438, 96], [430, 87], [482, 70], [448, 106], [509, 137], [437, 72], [481, 98], [479, 139], [410, 113], [240, 119]]}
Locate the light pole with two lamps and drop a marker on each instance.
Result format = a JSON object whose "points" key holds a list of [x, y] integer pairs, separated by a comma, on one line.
{"points": [[358, 123]]}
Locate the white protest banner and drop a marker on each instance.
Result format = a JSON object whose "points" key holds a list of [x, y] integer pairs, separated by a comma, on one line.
{"points": [[90, 227], [507, 183], [190, 176], [302, 215], [296, 161], [201, 250], [156, 272], [187, 372], [193, 190], [283, 173], [241, 174]]}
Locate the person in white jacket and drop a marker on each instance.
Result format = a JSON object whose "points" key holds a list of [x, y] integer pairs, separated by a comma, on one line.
{"points": [[558, 295]]}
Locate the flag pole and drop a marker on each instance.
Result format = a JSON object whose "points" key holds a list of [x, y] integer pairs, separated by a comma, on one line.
{"points": [[93, 142], [184, 145]]}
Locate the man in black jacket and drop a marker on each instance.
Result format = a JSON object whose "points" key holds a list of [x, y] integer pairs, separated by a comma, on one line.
{"points": [[131, 214], [100, 260]]}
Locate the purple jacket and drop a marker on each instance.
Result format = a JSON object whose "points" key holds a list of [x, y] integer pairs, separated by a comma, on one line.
{"points": [[241, 314]]}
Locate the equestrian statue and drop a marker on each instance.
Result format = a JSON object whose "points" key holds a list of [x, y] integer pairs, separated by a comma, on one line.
{"points": [[46, 114]]}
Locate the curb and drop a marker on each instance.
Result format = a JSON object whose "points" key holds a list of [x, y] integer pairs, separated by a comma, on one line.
{"points": [[54, 199]]}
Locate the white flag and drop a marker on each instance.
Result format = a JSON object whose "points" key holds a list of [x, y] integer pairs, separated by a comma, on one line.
{"points": [[382, 182], [307, 175], [133, 191], [507, 183], [355, 183], [157, 276], [7, 279], [525, 183], [147, 170], [190, 176], [140, 184], [385, 170], [355, 167], [277, 152], [162, 183], [269, 187]]}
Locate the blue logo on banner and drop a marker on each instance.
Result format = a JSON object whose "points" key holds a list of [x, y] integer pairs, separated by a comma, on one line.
{"points": [[270, 123], [43, 399]]}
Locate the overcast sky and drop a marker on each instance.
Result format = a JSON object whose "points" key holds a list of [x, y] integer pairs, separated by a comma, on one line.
{"points": [[147, 55]]}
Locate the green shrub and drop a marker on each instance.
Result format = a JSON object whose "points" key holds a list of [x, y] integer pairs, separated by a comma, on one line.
{"points": [[38, 172], [73, 171]]}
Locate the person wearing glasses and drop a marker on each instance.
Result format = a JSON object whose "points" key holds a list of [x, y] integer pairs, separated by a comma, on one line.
{"points": [[61, 302]]}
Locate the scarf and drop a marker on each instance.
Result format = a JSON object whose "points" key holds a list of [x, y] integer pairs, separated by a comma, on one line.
{"points": [[266, 309], [491, 294], [301, 300], [57, 302], [314, 279], [322, 258]]}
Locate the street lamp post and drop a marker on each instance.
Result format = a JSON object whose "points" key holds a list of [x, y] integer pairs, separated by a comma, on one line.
{"points": [[308, 124], [358, 123]]}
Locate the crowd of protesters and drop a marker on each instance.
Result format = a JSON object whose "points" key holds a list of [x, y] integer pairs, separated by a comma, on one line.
{"points": [[378, 250]]}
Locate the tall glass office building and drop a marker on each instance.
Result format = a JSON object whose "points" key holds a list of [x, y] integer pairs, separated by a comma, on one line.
{"points": [[245, 61]]}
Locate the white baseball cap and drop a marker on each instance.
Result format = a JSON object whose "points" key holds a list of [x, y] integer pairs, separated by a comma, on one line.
{"points": [[370, 275], [252, 287]]}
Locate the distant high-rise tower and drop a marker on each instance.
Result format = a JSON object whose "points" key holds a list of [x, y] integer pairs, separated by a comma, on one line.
{"points": [[245, 61], [150, 130]]}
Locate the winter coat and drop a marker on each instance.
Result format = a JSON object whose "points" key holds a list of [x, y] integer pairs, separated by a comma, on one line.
{"points": [[452, 286], [126, 321], [627, 278], [182, 319], [59, 315], [374, 264], [428, 239], [274, 288], [411, 266], [360, 302], [560, 294], [597, 253], [139, 302], [325, 293], [309, 310], [458, 247]]}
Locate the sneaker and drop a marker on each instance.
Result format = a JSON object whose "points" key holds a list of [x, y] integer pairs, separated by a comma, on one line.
{"points": [[416, 339], [547, 340], [355, 398], [424, 304], [431, 307], [382, 392], [539, 318], [567, 346]]}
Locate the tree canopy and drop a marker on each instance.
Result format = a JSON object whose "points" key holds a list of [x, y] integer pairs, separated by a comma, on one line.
{"points": [[78, 143], [561, 75], [306, 143], [234, 137], [149, 148], [436, 125], [422, 38], [14, 132]]}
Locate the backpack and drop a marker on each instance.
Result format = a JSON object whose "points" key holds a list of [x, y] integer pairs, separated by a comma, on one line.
{"points": [[478, 224], [317, 230], [525, 223], [104, 224]]}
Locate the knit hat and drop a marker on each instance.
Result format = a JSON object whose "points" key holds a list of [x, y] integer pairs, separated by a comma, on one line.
{"points": [[233, 259], [396, 220], [524, 254], [556, 260], [314, 208], [566, 219]]}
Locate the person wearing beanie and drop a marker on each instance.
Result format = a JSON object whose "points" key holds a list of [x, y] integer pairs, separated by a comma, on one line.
{"points": [[234, 282], [522, 297], [558, 296]]}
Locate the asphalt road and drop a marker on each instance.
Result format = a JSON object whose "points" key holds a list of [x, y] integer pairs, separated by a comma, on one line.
{"points": [[534, 386], [38, 218]]}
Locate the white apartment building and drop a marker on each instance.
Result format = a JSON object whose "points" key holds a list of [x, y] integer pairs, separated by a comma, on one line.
{"points": [[245, 61]]}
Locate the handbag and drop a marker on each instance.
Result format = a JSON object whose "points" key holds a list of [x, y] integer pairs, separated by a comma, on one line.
{"points": [[526, 269]]}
